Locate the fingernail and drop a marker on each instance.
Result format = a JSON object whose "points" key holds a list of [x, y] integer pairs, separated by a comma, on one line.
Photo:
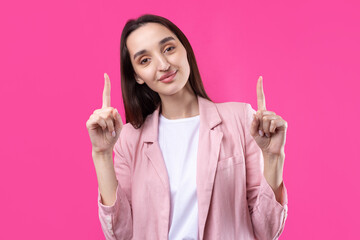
{"points": [[261, 133], [104, 75], [268, 135], [113, 134]]}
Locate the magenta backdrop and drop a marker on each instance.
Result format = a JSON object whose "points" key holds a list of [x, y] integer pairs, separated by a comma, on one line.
{"points": [[54, 54]]}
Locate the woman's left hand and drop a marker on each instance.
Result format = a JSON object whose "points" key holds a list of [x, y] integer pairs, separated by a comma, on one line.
{"points": [[267, 128], [269, 132]]}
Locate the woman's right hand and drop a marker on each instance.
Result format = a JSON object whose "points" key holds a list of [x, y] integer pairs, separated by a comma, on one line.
{"points": [[105, 124]]}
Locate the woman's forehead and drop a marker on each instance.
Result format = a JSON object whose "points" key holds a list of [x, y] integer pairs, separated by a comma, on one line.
{"points": [[147, 37]]}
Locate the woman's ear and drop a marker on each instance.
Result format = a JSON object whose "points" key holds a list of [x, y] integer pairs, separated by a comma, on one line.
{"points": [[138, 79]]}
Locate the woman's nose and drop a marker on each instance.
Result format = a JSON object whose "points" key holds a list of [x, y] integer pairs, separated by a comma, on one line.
{"points": [[163, 63]]}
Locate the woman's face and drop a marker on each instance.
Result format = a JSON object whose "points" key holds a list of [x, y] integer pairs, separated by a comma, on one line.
{"points": [[156, 53]]}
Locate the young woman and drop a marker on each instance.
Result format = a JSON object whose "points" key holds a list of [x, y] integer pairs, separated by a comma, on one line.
{"points": [[184, 166]]}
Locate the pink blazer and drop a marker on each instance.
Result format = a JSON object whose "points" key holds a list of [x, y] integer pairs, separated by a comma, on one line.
{"points": [[234, 199]]}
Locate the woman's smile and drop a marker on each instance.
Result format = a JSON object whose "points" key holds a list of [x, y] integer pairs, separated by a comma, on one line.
{"points": [[166, 78]]}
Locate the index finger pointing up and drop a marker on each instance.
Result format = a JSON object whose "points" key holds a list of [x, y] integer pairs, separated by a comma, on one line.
{"points": [[106, 92], [260, 94]]}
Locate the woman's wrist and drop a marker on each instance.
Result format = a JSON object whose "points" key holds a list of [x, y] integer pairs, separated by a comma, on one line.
{"points": [[273, 169], [102, 154]]}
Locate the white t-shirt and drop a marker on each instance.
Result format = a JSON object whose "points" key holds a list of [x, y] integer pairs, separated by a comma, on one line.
{"points": [[178, 140]]}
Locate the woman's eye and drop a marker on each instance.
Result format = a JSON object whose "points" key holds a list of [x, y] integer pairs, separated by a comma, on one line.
{"points": [[169, 48], [143, 61]]}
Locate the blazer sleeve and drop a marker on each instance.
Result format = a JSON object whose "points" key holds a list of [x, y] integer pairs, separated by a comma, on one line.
{"points": [[116, 220], [267, 214]]}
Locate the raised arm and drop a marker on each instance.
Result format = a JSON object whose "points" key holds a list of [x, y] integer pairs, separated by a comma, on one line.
{"points": [[266, 192], [104, 127]]}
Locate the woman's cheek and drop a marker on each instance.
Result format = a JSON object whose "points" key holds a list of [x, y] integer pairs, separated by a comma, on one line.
{"points": [[148, 71]]}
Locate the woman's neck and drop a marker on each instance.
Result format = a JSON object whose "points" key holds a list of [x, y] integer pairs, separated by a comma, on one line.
{"points": [[181, 105]]}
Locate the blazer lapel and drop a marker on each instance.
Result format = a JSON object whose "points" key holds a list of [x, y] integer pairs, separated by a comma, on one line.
{"points": [[152, 148], [207, 158]]}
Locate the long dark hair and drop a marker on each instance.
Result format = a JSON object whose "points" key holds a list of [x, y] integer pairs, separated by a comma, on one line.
{"points": [[139, 99]]}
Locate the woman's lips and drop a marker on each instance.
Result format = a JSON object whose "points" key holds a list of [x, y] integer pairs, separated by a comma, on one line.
{"points": [[169, 78]]}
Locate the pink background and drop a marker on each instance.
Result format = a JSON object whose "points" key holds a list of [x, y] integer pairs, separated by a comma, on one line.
{"points": [[54, 55]]}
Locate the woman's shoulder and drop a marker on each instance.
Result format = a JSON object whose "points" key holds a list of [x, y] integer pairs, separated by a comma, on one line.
{"points": [[128, 139], [132, 132], [237, 108], [129, 130], [237, 114]]}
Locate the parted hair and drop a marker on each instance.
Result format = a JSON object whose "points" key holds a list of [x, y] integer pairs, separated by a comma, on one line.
{"points": [[139, 100]]}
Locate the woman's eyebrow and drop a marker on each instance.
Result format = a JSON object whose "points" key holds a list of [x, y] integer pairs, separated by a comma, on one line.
{"points": [[160, 43], [165, 40]]}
